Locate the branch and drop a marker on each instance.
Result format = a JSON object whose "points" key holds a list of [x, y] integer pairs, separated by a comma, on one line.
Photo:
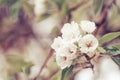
{"points": [[45, 62], [73, 8]]}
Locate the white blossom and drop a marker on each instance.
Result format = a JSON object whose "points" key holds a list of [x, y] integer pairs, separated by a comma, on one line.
{"points": [[39, 7], [107, 73], [57, 43], [63, 61], [85, 74], [66, 46], [70, 31], [87, 26], [88, 43], [65, 52], [69, 50]]}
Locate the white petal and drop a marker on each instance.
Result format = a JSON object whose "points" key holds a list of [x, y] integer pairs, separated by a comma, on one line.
{"points": [[88, 43], [69, 50], [63, 62], [70, 31], [108, 70], [39, 7], [57, 43], [87, 26], [85, 74]]}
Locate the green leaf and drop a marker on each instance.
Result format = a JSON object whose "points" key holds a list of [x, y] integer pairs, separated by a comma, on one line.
{"points": [[117, 45], [14, 9], [66, 73], [108, 37], [8, 2], [112, 49], [116, 59], [17, 63], [44, 16], [59, 3], [27, 68], [98, 6], [28, 8], [64, 10], [114, 53]]}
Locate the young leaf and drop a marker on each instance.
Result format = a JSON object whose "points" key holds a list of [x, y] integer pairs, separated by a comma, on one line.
{"points": [[108, 37], [117, 45], [115, 54], [14, 9], [66, 73], [17, 63], [59, 3], [112, 50], [116, 59], [7, 2], [98, 6]]}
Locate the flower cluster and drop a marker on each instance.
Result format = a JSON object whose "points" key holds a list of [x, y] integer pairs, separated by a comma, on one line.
{"points": [[75, 38]]}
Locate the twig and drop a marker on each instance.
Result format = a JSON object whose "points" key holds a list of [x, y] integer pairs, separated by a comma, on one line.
{"points": [[103, 16], [78, 5], [69, 15], [52, 74], [45, 62], [101, 20], [89, 59]]}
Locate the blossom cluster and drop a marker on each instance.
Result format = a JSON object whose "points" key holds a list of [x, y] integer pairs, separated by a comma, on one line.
{"points": [[75, 38]]}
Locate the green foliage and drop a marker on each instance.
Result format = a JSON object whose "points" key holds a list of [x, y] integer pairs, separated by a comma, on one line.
{"points": [[66, 73], [8, 2], [108, 37], [18, 64], [98, 6], [116, 59], [28, 8], [115, 54], [59, 3], [117, 45], [44, 16], [64, 10], [112, 50], [14, 9]]}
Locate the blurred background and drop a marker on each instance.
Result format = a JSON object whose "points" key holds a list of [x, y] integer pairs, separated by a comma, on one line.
{"points": [[28, 27]]}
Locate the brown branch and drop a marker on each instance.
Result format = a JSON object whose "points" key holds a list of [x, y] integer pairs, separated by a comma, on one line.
{"points": [[45, 62], [101, 20], [52, 74], [103, 16], [73, 8], [78, 5], [89, 59]]}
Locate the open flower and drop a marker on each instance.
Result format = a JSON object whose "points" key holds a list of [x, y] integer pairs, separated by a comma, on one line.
{"points": [[57, 43], [63, 61], [88, 43], [69, 50], [66, 47], [70, 31], [87, 26], [65, 55]]}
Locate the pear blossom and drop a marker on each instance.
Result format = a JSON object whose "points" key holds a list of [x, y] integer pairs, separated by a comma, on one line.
{"points": [[39, 7], [65, 55], [87, 26], [85, 74], [107, 73], [69, 50], [70, 31], [57, 43], [66, 47], [88, 43], [63, 61]]}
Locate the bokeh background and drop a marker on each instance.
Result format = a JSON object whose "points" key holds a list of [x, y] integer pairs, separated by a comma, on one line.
{"points": [[28, 27]]}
